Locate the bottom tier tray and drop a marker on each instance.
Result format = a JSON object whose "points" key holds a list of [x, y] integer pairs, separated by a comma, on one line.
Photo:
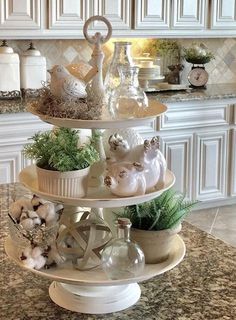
{"points": [[91, 291]]}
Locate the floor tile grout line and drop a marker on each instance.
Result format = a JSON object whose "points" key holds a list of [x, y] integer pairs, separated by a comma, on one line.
{"points": [[213, 223]]}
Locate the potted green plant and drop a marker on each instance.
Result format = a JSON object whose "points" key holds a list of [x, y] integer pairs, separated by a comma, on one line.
{"points": [[62, 163], [197, 54], [155, 223]]}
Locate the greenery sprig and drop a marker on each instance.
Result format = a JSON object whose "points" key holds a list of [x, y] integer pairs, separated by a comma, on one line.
{"points": [[59, 150], [164, 212], [162, 47]]}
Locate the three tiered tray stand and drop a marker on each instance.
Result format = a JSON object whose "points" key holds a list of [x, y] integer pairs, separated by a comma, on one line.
{"points": [[91, 291]]}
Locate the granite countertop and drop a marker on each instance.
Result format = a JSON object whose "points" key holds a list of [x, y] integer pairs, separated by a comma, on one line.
{"points": [[201, 287], [220, 91]]}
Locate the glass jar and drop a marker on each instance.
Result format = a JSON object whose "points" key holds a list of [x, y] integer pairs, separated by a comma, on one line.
{"points": [[127, 100], [121, 56], [121, 258]]}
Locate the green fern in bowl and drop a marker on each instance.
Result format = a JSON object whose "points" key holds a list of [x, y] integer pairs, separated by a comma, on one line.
{"points": [[59, 150], [164, 212]]}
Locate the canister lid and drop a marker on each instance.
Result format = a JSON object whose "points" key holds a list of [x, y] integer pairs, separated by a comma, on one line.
{"points": [[4, 48], [31, 51]]}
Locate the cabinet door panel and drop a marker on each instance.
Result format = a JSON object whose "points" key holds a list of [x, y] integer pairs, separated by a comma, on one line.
{"points": [[20, 14], [152, 14], [12, 161], [68, 14], [10, 164], [233, 165], [190, 14], [223, 15], [118, 12], [211, 165], [178, 151]]}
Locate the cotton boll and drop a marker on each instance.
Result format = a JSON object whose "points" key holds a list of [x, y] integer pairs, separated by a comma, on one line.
{"points": [[29, 263], [32, 258], [26, 258], [29, 220], [39, 262], [15, 210], [36, 252], [36, 201], [42, 211], [27, 224], [52, 215], [18, 206], [47, 212], [35, 217], [26, 252]]}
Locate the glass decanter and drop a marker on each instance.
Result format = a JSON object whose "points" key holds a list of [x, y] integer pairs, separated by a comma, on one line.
{"points": [[121, 56], [122, 258], [128, 100]]}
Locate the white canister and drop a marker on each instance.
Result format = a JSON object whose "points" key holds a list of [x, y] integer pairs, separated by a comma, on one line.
{"points": [[9, 69], [33, 69]]}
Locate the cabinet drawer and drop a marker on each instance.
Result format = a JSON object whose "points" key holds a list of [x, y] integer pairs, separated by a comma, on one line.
{"points": [[182, 115]]}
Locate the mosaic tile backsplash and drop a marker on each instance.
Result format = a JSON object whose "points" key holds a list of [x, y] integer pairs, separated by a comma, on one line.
{"points": [[222, 69]]}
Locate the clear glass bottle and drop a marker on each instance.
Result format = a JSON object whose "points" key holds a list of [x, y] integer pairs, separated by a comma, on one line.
{"points": [[121, 56], [122, 258], [127, 100]]}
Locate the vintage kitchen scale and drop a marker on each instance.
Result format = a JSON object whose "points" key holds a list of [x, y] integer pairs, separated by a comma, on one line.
{"points": [[198, 56], [198, 77]]}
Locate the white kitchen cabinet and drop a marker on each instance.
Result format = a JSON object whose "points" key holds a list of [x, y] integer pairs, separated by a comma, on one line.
{"points": [[20, 14], [189, 14], [178, 151], [15, 130], [152, 14], [12, 160], [223, 14], [68, 14], [198, 140], [118, 12], [233, 165], [211, 158]]}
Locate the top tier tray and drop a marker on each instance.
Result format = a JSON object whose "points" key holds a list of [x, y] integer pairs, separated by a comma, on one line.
{"points": [[154, 109]]}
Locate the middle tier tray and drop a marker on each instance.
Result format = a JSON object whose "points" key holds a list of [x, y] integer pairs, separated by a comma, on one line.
{"points": [[98, 197]]}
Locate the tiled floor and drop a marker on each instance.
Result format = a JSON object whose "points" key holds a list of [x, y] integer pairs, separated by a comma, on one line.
{"points": [[220, 222]]}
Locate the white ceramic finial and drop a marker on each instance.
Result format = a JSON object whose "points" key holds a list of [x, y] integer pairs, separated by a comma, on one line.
{"points": [[97, 56]]}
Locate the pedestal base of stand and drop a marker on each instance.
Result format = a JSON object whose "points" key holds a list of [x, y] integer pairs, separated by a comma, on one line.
{"points": [[94, 299]]}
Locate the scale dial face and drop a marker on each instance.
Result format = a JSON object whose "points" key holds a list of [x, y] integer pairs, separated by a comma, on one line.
{"points": [[198, 77]]}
